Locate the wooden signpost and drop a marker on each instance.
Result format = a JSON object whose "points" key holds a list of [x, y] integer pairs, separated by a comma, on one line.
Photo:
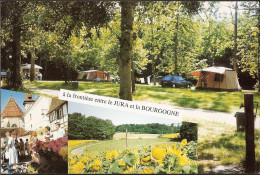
{"points": [[250, 136]]}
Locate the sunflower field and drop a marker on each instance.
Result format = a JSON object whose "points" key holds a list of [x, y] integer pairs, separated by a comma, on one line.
{"points": [[163, 158]]}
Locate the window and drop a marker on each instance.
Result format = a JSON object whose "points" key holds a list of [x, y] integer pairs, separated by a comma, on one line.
{"points": [[60, 113], [167, 78], [14, 126], [219, 77], [55, 115]]}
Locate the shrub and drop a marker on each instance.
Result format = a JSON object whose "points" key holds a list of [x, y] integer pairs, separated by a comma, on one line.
{"points": [[189, 131]]}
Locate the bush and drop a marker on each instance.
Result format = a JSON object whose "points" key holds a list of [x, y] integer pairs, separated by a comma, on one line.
{"points": [[90, 128], [189, 131]]}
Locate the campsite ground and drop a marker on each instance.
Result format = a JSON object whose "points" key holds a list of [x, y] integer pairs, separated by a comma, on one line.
{"points": [[188, 98], [221, 148]]}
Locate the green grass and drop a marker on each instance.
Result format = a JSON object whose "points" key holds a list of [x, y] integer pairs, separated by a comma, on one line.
{"points": [[110, 145], [210, 100], [220, 144]]}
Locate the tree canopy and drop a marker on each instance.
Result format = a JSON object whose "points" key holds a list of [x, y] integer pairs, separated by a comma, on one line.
{"points": [[171, 37]]}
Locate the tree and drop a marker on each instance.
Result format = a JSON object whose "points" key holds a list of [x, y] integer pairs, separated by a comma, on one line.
{"points": [[12, 18], [82, 127], [189, 131], [126, 52]]}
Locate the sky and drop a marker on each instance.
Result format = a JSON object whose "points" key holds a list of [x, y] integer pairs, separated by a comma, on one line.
{"points": [[226, 8], [18, 97], [118, 117]]}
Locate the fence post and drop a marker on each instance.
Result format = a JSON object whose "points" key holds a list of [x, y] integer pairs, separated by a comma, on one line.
{"points": [[250, 136], [126, 138]]}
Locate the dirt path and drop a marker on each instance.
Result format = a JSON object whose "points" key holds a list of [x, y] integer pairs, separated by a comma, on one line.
{"points": [[189, 114], [78, 150], [81, 149]]}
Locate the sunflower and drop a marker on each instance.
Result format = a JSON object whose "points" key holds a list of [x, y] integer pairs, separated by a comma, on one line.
{"points": [[148, 170], [114, 154], [158, 153], [184, 142], [84, 159]]}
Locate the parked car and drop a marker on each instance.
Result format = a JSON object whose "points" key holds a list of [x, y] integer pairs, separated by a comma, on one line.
{"points": [[175, 81]]}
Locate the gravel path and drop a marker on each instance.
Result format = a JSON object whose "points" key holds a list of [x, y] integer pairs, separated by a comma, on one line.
{"points": [[189, 114]]}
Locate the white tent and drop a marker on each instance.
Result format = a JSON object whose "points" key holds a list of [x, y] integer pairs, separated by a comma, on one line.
{"points": [[28, 66], [217, 78]]}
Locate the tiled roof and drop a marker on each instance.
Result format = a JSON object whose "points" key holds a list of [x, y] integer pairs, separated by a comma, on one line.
{"points": [[12, 109], [28, 98], [55, 103]]}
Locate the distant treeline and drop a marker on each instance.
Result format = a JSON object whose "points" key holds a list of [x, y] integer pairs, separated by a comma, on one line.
{"points": [[152, 128]]}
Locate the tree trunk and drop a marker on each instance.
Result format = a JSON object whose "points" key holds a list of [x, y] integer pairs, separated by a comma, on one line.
{"points": [[16, 79], [152, 55], [235, 41], [176, 47], [133, 77], [126, 53], [153, 69], [32, 70], [258, 12]]}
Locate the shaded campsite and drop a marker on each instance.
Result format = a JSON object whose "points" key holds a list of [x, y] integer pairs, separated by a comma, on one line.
{"points": [[203, 99]]}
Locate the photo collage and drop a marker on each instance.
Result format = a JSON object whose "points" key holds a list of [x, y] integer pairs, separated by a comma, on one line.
{"points": [[130, 87]]}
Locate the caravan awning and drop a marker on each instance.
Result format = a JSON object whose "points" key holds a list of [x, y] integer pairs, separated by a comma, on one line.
{"points": [[214, 69]]}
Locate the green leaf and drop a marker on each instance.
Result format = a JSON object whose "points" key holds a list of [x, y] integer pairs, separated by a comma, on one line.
{"points": [[186, 169], [114, 169]]}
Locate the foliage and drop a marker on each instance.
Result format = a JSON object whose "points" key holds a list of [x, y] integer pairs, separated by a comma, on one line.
{"points": [[91, 128], [248, 44], [152, 128], [53, 156], [189, 131], [163, 158]]}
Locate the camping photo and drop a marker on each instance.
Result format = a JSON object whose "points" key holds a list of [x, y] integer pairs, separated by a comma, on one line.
{"points": [[200, 57], [102, 140], [33, 134]]}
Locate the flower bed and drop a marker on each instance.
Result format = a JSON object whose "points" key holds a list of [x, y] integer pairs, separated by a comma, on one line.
{"points": [[51, 157], [164, 158], [171, 136]]}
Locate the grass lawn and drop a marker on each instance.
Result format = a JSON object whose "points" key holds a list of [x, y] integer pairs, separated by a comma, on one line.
{"points": [[210, 100], [220, 144], [109, 145]]}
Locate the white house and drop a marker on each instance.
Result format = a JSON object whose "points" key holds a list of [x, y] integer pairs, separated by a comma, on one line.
{"points": [[35, 117]]}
